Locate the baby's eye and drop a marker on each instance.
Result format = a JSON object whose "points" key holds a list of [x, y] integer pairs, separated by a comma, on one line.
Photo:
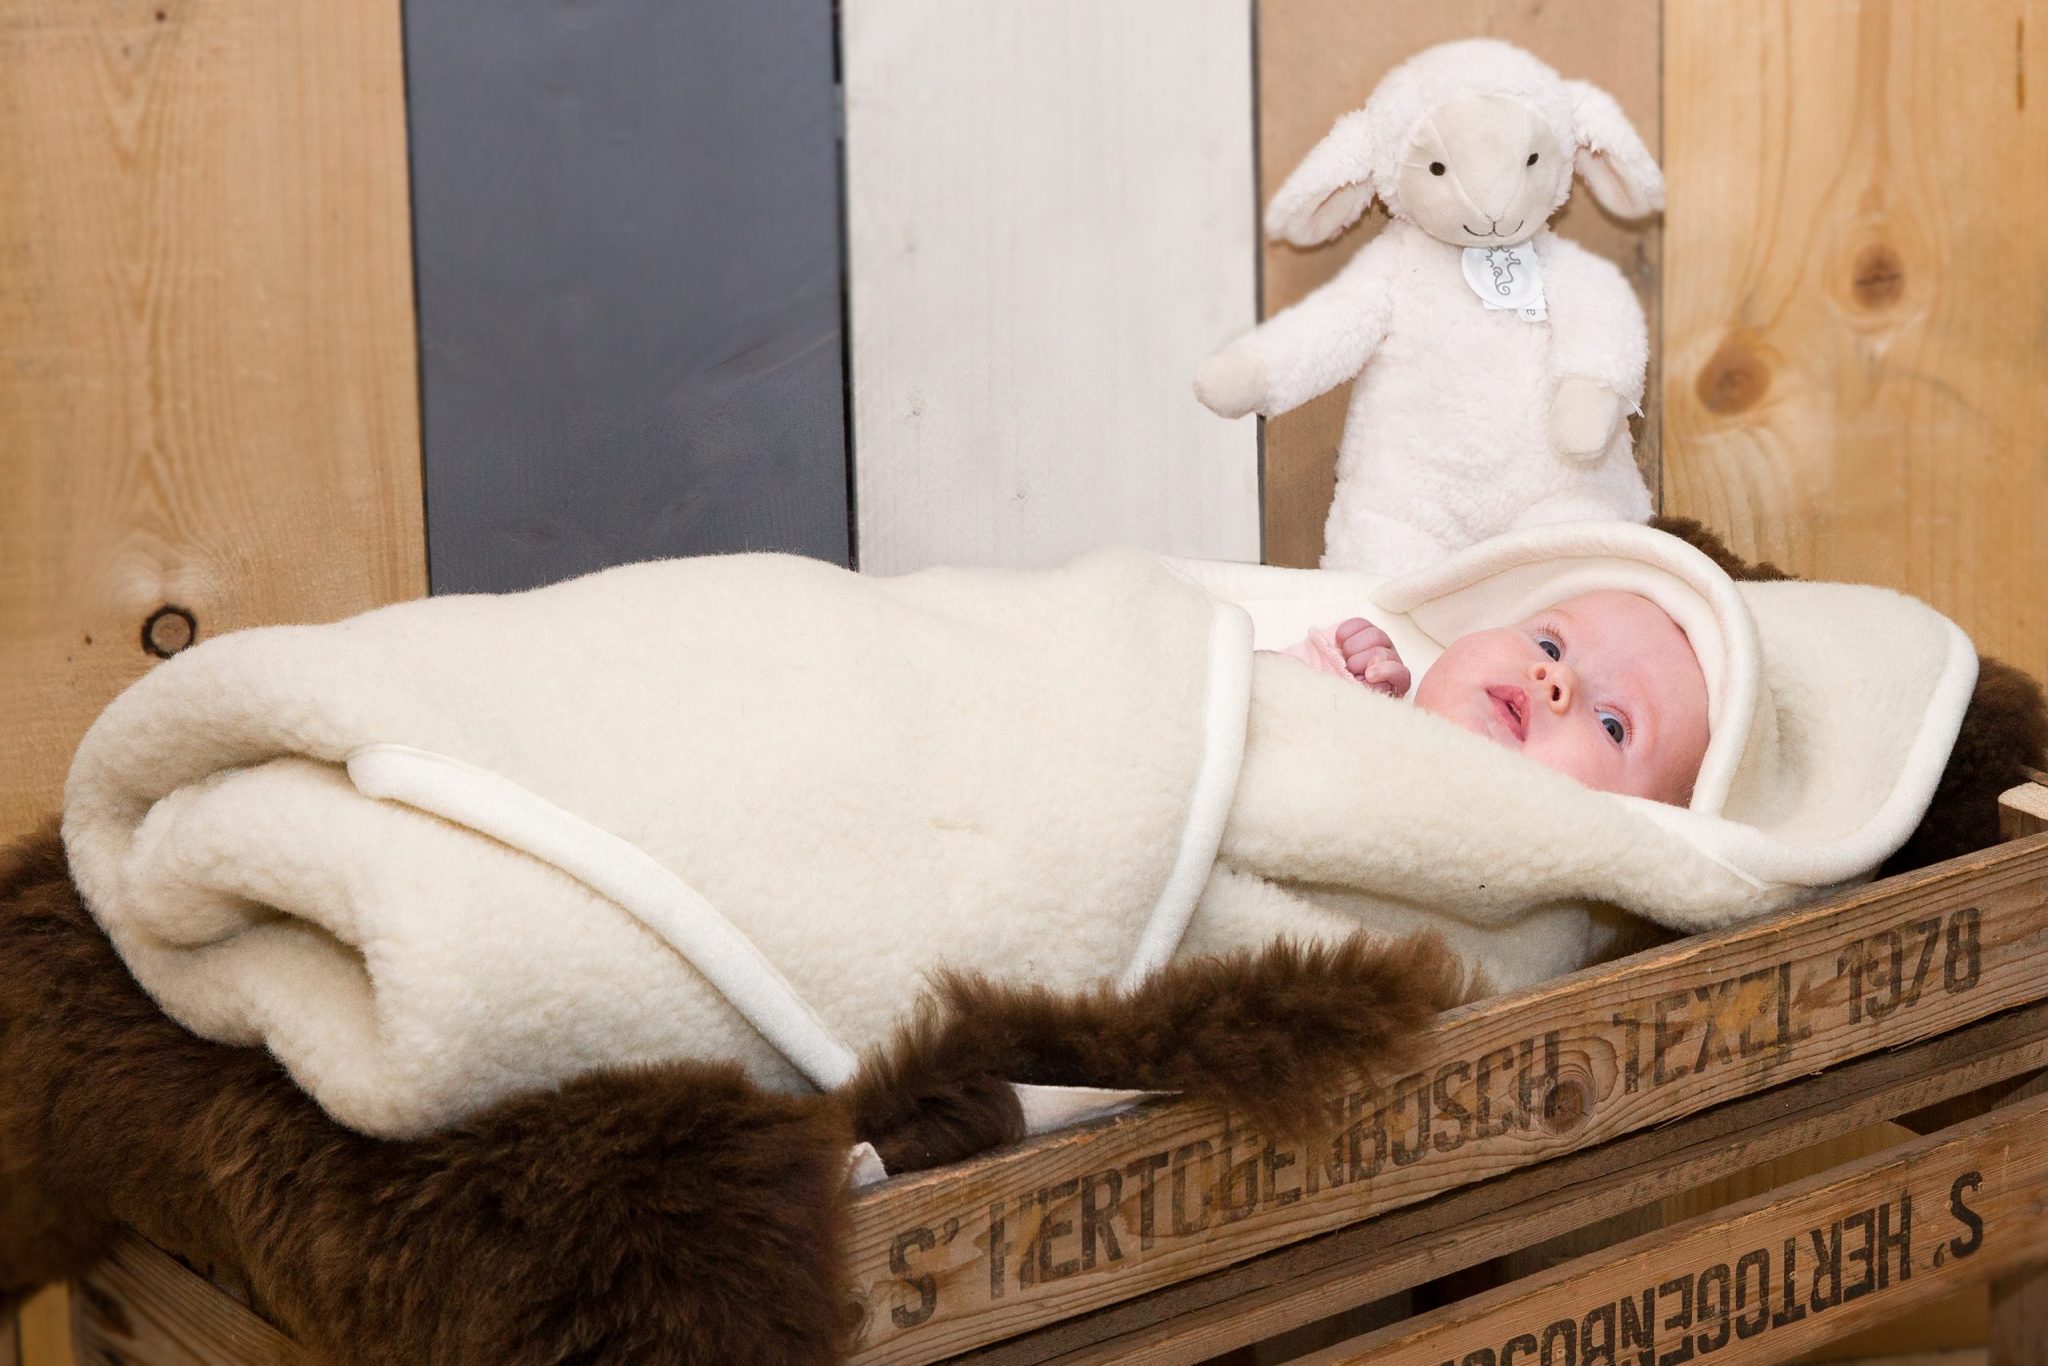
{"points": [[1549, 647], [1616, 731]]}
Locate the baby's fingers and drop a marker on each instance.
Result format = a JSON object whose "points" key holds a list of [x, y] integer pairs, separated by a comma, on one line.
{"points": [[1361, 652], [1389, 676], [1359, 634]]}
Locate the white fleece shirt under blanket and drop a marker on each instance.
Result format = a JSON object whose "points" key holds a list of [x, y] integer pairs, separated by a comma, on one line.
{"points": [[869, 778]]}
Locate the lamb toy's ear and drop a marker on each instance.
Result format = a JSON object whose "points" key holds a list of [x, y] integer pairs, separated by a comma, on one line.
{"points": [[1329, 190], [1610, 156]]}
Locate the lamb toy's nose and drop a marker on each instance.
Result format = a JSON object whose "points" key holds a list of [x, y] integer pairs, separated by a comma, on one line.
{"points": [[1554, 685]]}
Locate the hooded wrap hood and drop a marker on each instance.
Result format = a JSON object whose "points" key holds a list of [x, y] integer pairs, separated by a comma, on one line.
{"points": [[1832, 707]]}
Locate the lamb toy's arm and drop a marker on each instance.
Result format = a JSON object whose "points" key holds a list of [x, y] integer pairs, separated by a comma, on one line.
{"points": [[1307, 349], [1599, 351]]}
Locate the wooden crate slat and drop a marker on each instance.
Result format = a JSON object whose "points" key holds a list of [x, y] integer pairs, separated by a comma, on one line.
{"points": [[2023, 810], [957, 1258], [2019, 1317], [1193, 1321], [1774, 1275], [142, 1307], [45, 1327]]}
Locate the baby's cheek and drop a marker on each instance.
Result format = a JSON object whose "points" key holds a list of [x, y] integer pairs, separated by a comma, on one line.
{"points": [[1601, 771]]}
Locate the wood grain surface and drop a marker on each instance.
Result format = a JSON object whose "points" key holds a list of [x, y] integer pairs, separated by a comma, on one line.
{"points": [[1319, 59], [45, 1330], [1763, 1280], [1049, 223], [207, 391], [140, 1307], [1293, 1286], [955, 1258], [1855, 381], [2023, 810]]}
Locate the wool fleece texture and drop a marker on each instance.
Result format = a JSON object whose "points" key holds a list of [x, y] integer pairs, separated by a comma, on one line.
{"points": [[869, 780]]}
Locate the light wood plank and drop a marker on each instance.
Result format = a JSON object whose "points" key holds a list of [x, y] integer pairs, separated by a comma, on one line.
{"points": [[1049, 223], [1855, 385], [143, 1308], [2023, 810], [1775, 1275], [1319, 59], [1192, 1322], [45, 1328], [948, 1260], [207, 393], [2019, 1317]]}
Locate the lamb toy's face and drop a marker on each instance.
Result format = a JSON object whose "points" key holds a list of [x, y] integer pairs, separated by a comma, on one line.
{"points": [[1483, 171], [1446, 140]]}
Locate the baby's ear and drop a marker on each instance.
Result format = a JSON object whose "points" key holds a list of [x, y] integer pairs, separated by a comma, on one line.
{"points": [[1329, 190], [1610, 157]]}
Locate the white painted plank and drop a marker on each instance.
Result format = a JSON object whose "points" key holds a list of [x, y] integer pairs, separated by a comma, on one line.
{"points": [[1051, 219]]}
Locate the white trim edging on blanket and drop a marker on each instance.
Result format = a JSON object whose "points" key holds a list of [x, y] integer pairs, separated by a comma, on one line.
{"points": [[1226, 716], [493, 805]]}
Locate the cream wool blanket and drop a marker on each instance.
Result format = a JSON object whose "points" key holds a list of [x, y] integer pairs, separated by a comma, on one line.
{"points": [[803, 784]]}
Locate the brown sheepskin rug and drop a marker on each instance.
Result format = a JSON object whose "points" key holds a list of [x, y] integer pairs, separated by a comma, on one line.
{"points": [[675, 1213]]}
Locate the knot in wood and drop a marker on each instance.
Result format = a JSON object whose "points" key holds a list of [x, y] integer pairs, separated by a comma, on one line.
{"points": [[169, 630], [1566, 1104], [1878, 277], [1734, 380]]}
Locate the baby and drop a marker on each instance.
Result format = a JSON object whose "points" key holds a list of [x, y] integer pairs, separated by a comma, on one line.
{"points": [[1602, 687]]}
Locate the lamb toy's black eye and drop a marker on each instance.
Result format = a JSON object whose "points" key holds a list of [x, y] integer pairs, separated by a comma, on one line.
{"points": [[1532, 159], [1436, 168]]}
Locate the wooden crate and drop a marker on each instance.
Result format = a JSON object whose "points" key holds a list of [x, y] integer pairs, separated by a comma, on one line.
{"points": [[1176, 1233]]}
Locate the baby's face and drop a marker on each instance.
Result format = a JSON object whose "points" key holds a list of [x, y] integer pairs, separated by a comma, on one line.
{"points": [[1603, 687]]}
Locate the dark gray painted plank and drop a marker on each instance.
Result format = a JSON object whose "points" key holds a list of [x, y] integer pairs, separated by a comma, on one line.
{"points": [[626, 220]]}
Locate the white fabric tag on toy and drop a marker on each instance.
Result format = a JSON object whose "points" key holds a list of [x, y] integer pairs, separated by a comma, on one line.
{"points": [[1508, 279]]}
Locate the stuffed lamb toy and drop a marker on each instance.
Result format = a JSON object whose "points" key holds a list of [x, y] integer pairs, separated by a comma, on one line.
{"points": [[1497, 363]]}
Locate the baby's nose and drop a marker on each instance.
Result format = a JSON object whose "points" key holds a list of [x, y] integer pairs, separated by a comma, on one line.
{"points": [[1554, 684]]}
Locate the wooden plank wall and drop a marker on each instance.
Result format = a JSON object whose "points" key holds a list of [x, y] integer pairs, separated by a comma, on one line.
{"points": [[207, 391], [1049, 223], [1319, 59], [1856, 339], [627, 225]]}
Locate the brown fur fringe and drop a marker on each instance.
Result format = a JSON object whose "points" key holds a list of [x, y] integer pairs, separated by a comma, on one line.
{"points": [[671, 1214], [1270, 1033]]}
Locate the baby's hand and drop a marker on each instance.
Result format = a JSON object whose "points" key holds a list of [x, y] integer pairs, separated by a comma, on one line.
{"points": [[1370, 656]]}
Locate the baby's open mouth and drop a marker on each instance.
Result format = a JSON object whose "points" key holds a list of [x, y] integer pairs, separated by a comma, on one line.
{"points": [[1511, 707]]}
